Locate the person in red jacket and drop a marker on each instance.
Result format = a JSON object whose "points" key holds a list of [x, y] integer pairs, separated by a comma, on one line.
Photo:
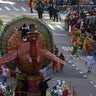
{"points": [[31, 5]]}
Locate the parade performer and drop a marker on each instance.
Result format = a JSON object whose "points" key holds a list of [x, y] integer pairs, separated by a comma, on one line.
{"points": [[54, 63], [62, 58], [82, 37], [87, 44], [73, 34], [43, 86], [76, 45], [90, 61]]}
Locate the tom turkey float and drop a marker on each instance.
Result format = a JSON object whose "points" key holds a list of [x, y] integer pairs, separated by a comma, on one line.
{"points": [[29, 55]]}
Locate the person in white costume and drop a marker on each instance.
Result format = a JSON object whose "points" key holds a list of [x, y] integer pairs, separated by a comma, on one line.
{"points": [[59, 92], [90, 61]]}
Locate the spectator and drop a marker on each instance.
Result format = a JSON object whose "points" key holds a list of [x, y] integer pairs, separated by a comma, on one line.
{"points": [[50, 9], [31, 5], [40, 10], [55, 13]]}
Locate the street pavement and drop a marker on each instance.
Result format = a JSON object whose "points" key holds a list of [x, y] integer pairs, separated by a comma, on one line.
{"points": [[75, 69]]}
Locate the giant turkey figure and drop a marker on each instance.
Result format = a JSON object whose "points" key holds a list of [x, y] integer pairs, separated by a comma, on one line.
{"points": [[31, 55]]}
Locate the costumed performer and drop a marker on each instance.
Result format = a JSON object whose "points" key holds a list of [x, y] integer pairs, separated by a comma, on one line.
{"points": [[87, 44], [61, 64], [55, 63], [76, 45], [43, 86]]}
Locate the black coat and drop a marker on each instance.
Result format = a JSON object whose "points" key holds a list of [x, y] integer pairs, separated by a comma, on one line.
{"points": [[25, 86], [40, 9], [43, 86]]}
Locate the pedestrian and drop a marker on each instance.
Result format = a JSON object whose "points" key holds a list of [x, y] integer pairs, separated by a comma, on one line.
{"points": [[43, 86], [89, 61], [40, 10], [4, 74], [55, 13], [50, 9], [31, 5], [62, 58]]}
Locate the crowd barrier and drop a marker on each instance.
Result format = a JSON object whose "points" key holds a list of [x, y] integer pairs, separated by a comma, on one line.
{"points": [[76, 7]]}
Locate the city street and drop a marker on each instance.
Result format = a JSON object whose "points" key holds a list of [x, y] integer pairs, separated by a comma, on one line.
{"points": [[75, 69]]}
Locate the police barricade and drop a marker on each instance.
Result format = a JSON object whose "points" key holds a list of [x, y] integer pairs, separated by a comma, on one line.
{"points": [[76, 8], [66, 9]]}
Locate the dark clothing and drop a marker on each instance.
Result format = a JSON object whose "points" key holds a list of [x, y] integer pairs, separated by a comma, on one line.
{"points": [[94, 38], [4, 79], [51, 2], [55, 14], [43, 86], [50, 9], [24, 31], [25, 86], [40, 11], [62, 57]]}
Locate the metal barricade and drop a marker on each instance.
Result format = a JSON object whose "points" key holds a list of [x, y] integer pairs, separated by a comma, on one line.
{"points": [[76, 8]]}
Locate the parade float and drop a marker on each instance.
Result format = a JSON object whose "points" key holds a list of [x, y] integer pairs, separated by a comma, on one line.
{"points": [[29, 56]]}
